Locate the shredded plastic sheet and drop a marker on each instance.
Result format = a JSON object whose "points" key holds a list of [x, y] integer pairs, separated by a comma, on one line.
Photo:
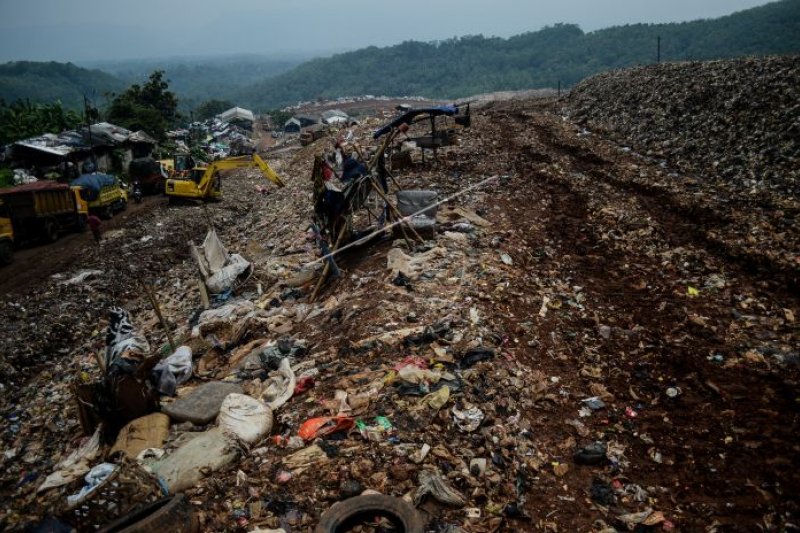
{"points": [[93, 479], [280, 385], [431, 483], [220, 269], [173, 371], [122, 340], [74, 465]]}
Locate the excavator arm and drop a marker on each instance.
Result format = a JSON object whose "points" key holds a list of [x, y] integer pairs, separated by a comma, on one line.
{"points": [[267, 171], [204, 184]]}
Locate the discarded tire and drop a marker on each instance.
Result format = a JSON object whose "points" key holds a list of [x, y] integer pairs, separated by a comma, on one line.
{"points": [[349, 513], [172, 514]]}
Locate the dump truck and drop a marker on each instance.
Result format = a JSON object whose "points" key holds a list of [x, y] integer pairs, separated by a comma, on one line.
{"points": [[103, 193], [39, 211], [205, 183], [312, 133]]}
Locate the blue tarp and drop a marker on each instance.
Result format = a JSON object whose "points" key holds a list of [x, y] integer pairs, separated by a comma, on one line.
{"points": [[92, 183], [409, 116]]}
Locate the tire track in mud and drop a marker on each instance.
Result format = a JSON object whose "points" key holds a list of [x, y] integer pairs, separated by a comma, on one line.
{"points": [[706, 474], [687, 223]]}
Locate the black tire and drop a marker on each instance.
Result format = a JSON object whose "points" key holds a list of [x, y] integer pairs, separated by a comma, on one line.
{"points": [[50, 230], [107, 212], [349, 513], [6, 252], [173, 515]]}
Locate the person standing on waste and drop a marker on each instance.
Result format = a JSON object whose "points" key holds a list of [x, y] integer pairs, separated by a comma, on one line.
{"points": [[94, 225]]}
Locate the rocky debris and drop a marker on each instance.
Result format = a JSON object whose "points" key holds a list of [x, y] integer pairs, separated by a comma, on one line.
{"points": [[202, 405], [467, 392]]}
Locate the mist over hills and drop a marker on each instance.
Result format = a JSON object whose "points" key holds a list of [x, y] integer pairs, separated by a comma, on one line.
{"points": [[451, 68]]}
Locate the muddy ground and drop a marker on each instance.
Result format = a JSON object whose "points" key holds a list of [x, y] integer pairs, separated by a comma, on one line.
{"points": [[640, 301]]}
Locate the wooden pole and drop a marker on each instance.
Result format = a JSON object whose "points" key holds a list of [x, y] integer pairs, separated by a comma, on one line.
{"points": [[152, 297], [658, 51], [327, 263]]}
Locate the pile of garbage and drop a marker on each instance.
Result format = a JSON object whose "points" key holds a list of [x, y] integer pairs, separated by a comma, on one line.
{"points": [[218, 138], [728, 132], [529, 349], [736, 121]]}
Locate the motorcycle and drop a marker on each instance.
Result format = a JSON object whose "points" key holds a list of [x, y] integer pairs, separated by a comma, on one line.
{"points": [[137, 193]]}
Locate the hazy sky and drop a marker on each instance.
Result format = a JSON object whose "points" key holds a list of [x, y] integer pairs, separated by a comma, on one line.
{"points": [[77, 30]]}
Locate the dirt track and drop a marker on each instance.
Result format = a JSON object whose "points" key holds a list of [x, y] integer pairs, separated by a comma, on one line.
{"points": [[727, 440], [619, 262], [33, 265]]}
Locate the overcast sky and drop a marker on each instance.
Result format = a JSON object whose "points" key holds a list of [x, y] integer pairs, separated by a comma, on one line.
{"points": [[76, 30]]}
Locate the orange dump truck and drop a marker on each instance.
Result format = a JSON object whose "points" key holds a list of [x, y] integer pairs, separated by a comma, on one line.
{"points": [[42, 211]]}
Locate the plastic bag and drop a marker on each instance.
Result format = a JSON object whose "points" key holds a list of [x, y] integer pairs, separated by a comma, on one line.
{"points": [[173, 371], [246, 418]]}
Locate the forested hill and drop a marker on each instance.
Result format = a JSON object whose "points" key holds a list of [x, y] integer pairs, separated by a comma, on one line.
{"points": [[444, 69], [50, 81], [476, 64], [196, 79]]}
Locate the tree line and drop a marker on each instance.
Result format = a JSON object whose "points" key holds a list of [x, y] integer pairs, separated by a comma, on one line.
{"points": [[562, 53]]}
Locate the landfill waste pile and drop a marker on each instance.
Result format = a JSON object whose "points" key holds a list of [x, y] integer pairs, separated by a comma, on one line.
{"points": [[549, 346], [219, 139], [730, 130]]}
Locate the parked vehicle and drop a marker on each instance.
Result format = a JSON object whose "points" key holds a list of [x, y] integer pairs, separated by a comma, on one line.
{"points": [[39, 211], [312, 133], [104, 194], [137, 192], [148, 172]]}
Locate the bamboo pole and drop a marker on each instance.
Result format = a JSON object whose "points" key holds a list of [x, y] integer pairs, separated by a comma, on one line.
{"points": [[152, 297], [327, 264]]}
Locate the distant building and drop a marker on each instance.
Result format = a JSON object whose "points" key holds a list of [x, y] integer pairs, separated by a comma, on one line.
{"points": [[292, 126], [113, 147], [335, 117], [238, 116], [307, 120]]}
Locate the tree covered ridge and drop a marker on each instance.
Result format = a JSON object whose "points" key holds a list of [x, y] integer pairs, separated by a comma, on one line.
{"points": [[562, 53], [51, 81], [445, 69]]}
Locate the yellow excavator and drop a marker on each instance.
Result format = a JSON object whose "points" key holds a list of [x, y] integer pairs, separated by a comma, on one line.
{"points": [[204, 183]]}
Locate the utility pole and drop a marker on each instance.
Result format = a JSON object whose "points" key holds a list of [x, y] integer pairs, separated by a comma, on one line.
{"points": [[658, 50], [89, 129]]}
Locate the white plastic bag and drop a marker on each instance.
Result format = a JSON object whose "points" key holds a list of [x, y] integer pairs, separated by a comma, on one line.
{"points": [[244, 417]]}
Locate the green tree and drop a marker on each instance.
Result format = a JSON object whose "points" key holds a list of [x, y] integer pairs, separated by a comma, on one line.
{"points": [[22, 119], [278, 118], [211, 108], [151, 107]]}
